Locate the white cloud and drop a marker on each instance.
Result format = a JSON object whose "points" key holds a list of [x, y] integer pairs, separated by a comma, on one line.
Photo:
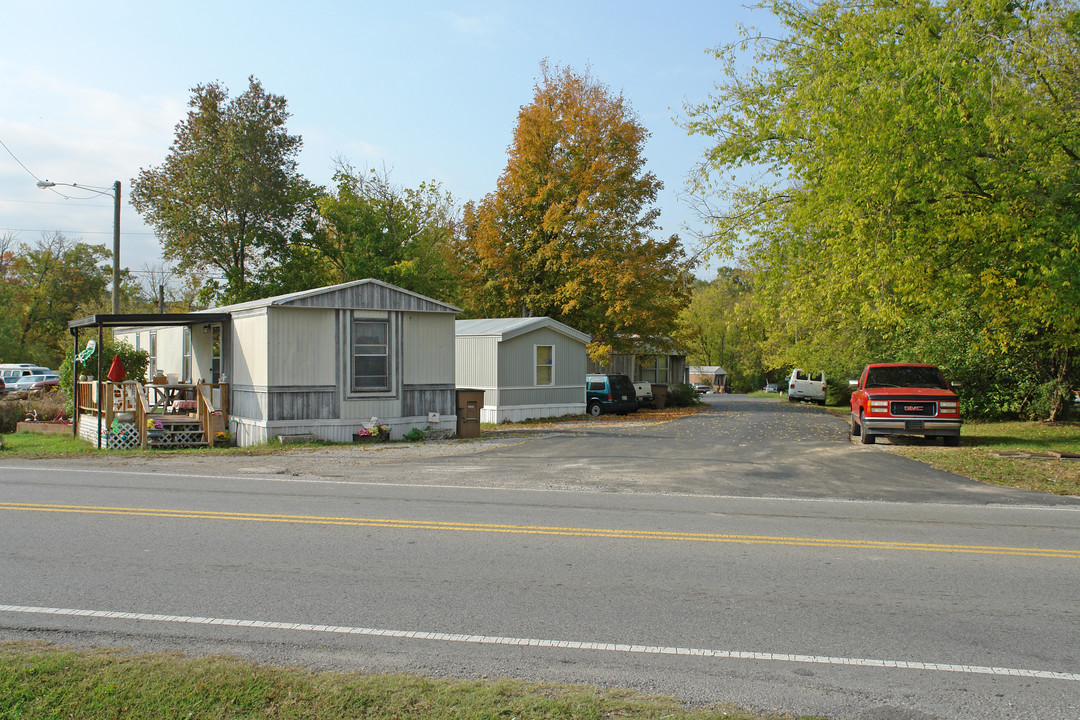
{"points": [[83, 135]]}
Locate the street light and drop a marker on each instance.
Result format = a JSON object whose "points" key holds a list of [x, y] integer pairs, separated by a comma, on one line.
{"points": [[115, 193]]}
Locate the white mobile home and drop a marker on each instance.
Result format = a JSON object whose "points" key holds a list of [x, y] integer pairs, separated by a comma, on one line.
{"points": [[527, 367], [320, 362]]}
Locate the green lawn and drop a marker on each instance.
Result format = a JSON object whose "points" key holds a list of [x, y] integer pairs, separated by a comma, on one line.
{"points": [[1014, 454], [39, 682], [1007, 453]]}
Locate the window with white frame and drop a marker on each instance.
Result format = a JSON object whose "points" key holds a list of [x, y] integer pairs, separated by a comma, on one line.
{"points": [[370, 355], [544, 374]]}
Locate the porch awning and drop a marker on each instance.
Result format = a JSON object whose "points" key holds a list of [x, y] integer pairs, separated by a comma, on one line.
{"points": [[146, 320]]}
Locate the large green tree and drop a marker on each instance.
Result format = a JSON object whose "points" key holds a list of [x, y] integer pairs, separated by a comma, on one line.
{"points": [[46, 285], [229, 197], [925, 159], [723, 325], [568, 231], [369, 227]]}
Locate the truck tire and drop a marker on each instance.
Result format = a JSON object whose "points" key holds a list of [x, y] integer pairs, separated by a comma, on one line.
{"points": [[865, 437]]}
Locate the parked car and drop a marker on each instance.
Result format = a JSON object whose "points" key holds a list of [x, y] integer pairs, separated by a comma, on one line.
{"points": [[609, 393], [37, 382], [772, 388], [807, 385], [11, 372], [47, 382], [904, 399], [643, 391], [702, 388]]}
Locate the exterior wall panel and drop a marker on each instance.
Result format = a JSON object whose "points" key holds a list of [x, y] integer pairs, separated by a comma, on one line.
{"points": [[250, 350], [476, 362], [427, 349], [301, 346]]}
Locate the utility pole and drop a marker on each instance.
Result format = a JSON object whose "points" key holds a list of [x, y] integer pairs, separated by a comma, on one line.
{"points": [[116, 249]]}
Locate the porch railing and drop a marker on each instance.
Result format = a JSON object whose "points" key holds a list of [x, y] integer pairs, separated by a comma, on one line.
{"points": [[107, 400]]}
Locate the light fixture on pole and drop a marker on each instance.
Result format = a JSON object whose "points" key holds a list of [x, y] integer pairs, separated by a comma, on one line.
{"points": [[115, 193]]}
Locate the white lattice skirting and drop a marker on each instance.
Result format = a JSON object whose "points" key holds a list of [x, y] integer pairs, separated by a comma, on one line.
{"points": [[122, 436]]}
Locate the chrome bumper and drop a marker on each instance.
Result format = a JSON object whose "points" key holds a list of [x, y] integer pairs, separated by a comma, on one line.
{"points": [[914, 426]]}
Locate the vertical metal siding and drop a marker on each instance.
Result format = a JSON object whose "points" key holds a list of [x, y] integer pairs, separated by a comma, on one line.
{"points": [[476, 362], [517, 359], [427, 341], [301, 346], [250, 352]]}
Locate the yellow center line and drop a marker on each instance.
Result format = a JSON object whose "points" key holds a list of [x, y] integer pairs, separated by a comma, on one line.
{"points": [[544, 530]]}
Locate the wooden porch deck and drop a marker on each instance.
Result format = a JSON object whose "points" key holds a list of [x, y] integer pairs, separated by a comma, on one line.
{"points": [[131, 414]]}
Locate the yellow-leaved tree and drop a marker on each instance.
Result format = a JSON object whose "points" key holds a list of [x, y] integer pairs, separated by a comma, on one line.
{"points": [[567, 232]]}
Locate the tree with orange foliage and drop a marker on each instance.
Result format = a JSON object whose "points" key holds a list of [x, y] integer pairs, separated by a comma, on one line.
{"points": [[566, 234]]}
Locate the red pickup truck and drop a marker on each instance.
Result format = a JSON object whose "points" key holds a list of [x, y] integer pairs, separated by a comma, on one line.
{"points": [[904, 399]]}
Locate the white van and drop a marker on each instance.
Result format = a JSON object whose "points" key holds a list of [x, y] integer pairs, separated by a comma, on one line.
{"points": [[806, 385], [11, 372]]}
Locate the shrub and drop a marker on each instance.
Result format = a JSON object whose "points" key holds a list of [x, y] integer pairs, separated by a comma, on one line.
{"points": [[11, 413], [682, 395], [415, 435]]}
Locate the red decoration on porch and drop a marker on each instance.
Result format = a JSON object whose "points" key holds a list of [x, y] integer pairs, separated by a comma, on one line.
{"points": [[116, 370]]}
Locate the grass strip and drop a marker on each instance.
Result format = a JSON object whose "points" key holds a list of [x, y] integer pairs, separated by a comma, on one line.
{"points": [[978, 458], [39, 681]]}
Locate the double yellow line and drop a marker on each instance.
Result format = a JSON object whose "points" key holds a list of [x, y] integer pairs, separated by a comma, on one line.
{"points": [[544, 530]]}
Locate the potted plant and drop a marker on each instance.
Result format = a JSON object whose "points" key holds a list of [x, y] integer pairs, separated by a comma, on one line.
{"points": [[375, 433]]}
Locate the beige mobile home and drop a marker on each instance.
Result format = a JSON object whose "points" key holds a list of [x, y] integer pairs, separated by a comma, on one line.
{"points": [[527, 367], [321, 362]]}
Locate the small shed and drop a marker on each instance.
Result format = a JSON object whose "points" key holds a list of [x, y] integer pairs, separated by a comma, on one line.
{"points": [[527, 367], [321, 362]]}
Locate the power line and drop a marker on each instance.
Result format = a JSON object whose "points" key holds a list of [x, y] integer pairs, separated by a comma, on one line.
{"points": [[53, 202], [19, 161], [126, 233]]}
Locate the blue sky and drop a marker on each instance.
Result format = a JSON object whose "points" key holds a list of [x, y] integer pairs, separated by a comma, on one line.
{"points": [[92, 92]]}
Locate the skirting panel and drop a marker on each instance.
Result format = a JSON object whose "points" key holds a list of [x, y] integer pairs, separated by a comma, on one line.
{"points": [[250, 432], [501, 414]]}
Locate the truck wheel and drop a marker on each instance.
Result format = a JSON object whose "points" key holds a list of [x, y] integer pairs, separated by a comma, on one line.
{"points": [[595, 410], [864, 437]]}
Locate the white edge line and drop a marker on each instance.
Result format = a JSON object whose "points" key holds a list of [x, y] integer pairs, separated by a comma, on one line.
{"points": [[1066, 506], [562, 644]]}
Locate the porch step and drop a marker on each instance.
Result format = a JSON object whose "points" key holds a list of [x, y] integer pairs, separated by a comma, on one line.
{"points": [[177, 434]]}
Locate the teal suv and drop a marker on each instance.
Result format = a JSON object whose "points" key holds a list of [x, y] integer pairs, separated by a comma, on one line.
{"points": [[609, 393]]}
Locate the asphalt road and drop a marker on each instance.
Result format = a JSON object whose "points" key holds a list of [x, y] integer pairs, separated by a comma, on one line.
{"points": [[751, 554]]}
